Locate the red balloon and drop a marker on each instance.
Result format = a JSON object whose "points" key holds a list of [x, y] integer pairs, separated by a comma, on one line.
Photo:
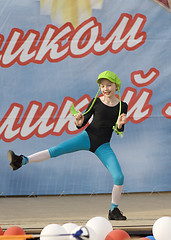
{"points": [[1, 231], [14, 230], [118, 234]]}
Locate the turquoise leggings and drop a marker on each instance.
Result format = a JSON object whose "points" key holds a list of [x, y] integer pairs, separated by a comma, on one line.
{"points": [[103, 152]]}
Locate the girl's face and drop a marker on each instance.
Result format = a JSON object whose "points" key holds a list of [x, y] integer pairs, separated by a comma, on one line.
{"points": [[108, 88]]}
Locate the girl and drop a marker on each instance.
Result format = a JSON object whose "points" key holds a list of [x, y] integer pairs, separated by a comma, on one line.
{"points": [[109, 113]]}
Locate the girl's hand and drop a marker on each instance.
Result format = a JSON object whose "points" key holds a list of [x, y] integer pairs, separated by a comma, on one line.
{"points": [[122, 120], [79, 118]]}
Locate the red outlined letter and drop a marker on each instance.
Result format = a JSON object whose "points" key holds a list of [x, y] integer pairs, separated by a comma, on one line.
{"points": [[166, 111], [139, 79]]}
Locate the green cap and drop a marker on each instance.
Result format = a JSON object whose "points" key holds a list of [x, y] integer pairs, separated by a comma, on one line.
{"points": [[111, 76]]}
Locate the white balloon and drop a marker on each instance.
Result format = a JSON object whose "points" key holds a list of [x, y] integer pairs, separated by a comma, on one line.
{"points": [[88, 233], [69, 227], [162, 228], [101, 226], [52, 232]]}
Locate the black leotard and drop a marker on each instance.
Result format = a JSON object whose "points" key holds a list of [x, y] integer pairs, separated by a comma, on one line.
{"points": [[104, 118]]}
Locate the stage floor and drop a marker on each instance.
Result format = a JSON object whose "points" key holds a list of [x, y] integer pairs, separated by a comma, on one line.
{"points": [[33, 213]]}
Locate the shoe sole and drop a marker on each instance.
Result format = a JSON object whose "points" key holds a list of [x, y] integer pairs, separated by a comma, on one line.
{"points": [[118, 219], [10, 156]]}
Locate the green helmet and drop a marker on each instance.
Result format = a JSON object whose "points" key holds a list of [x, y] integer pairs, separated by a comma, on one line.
{"points": [[111, 76]]}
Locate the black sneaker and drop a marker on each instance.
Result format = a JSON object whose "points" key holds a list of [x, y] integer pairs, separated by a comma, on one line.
{"points": [[15, 160], [116, 214]]}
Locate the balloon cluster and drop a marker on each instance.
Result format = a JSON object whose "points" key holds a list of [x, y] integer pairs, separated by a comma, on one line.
{"points": [[14, 230], [97, 228]]}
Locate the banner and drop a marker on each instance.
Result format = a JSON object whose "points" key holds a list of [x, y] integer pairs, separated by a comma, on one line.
{"points": [[51, 53]]}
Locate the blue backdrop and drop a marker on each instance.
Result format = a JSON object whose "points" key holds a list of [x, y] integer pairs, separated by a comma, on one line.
{"points": [[50, 56]]}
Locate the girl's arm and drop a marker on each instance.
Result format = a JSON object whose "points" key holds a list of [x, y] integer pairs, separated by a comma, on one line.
{"points": [[121, 120], [81, 120]]}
